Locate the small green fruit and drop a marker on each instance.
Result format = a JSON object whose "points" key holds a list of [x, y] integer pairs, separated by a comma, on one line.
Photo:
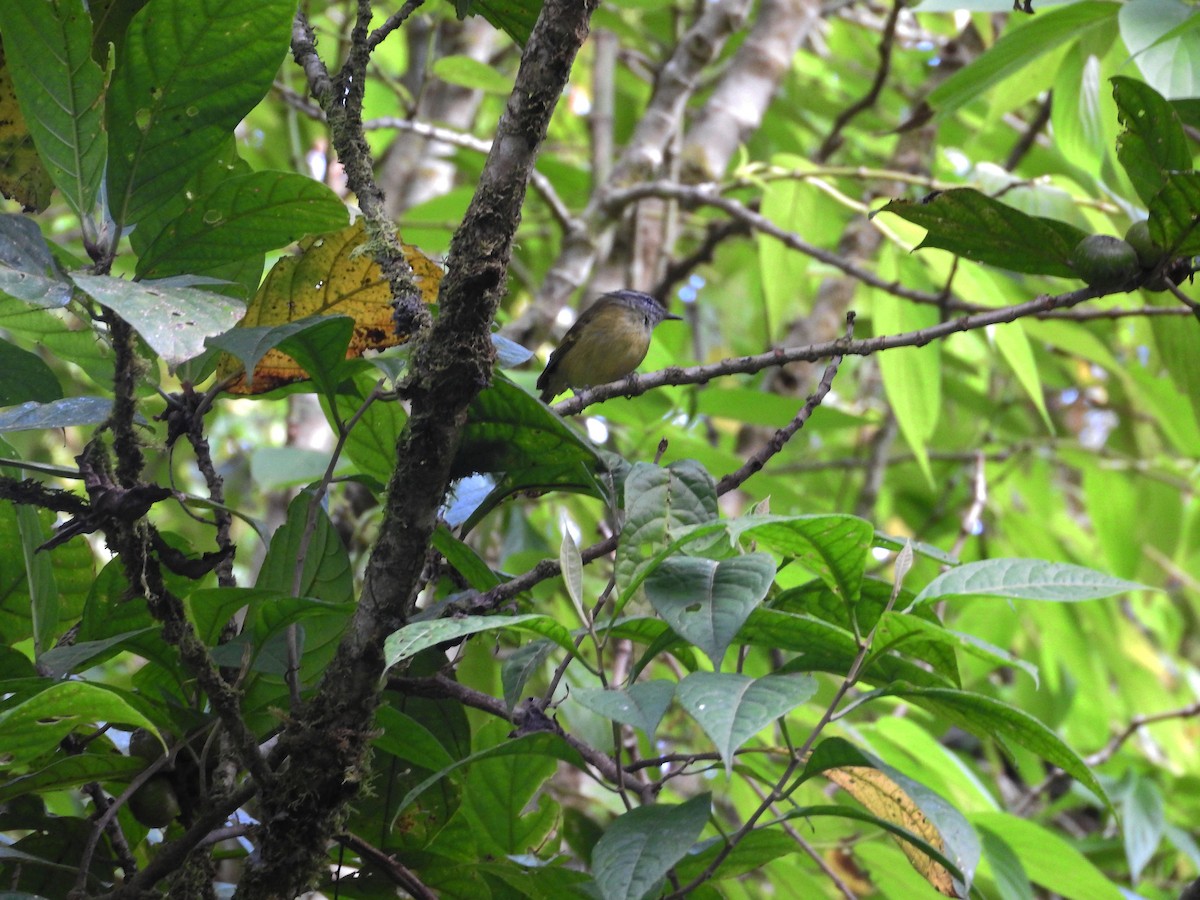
{"points": [[1149, 254], [1104, 261], [154, 804], [145, 745]]}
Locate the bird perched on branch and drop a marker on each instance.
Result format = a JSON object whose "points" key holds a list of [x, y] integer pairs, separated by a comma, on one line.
{"points": [[607, 342]]}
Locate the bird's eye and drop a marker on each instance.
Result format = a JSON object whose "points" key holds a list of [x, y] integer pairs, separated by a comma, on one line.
{"points": [[647, 321]]}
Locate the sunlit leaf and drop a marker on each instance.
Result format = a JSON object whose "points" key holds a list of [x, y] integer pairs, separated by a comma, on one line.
{"points": [[333, 275]]}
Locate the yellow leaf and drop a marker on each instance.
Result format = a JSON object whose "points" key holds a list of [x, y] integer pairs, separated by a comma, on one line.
{"points": [[22, 176], [887, 800], [332, 275]]}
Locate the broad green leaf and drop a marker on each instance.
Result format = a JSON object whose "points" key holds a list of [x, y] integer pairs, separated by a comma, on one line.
{"points": [[988, 717], [912, 376], [757, 849], [58, 414], [373, 439], [543, 743], [174, 321], [468, 72], [639, 848], [249, 344], [975, 226], [58, 662], [1153, 143], [515, 18], [48, 49], [1019, 49], [660, 503], [72, 771], [1082, 114], [407, 738], [521, 665], [242, 215], [1013, 344], [1049, 860], [465, 560], [321, 352], [513, 436], [1025, 579], [1176, 341], [169, 107], [1175, 214], [1162, 38], [210, 609], [60, 336], [835, 548], [498, 798], [1007, 871], [1142, 820], [417, 636], [24, 377], [28, 271], [37, 724], [733, 708], [306, 557], [640, 705], [821, 647], [707, 601]]}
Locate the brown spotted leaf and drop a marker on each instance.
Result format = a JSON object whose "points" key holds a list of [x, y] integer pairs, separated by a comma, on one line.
{"points": [[22, 176], [888, 800], [332, 275]]}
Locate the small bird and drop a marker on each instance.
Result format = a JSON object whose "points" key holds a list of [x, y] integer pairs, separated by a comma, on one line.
{"points": [[607, 342]]}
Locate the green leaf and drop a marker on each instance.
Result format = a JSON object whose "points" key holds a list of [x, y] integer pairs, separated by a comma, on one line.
{"points": [[707, 601], [58, 662], [639, 848], [306, 557], [1162, 38], [37, 724], [320, 350], [987, 717], [821, 647], [174, 321], [406, 738], [242, 215], [169, 107], [1142, 820], [465, 560], [521, 665], [1013, 344], [58, 414], [468, 72], [544, 743], [640, 705], [413, 638], [28, 270], [498, 795], [24, 377], [1153, 143], [1175, 214], [733, 708], [660, 504], [912, 376], [975, 226], [1007, 871], [1019, 49], [1025, 579], [48, 48], [835, 548], [511, 434], [72, 771], [515, 18], [1048, 859]]}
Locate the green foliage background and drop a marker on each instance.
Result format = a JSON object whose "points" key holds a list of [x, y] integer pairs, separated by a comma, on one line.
{"points": [[972, 569]]}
